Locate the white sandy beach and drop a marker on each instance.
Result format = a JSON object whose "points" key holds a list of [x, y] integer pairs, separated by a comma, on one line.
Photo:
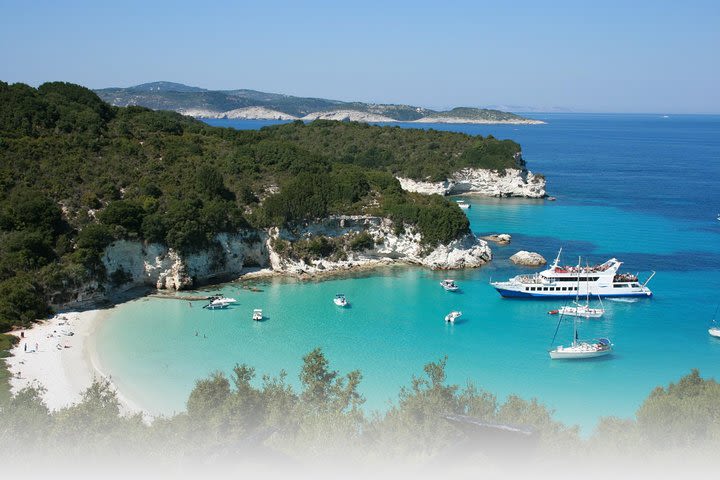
{"points": [[63, 364]]}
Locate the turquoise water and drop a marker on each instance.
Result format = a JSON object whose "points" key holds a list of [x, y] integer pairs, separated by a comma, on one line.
{"points": [[648, 198]]}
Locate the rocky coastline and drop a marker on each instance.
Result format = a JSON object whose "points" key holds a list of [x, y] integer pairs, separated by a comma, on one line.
{"points": [[135, 266], [510, 182], [262, 113]]}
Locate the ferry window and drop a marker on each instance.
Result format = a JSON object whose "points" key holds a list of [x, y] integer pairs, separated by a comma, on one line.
{"points": [[635, 285], [527, 289], [545, 289]]}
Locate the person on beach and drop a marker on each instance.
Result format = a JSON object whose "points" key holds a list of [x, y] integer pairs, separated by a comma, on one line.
{"points": [[25, 345], [22, 334], [37, 347]]}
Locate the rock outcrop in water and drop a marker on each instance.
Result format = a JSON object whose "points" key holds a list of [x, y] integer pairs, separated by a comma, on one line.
{"points": [[528, 259], [499, 238], [492, 183]]}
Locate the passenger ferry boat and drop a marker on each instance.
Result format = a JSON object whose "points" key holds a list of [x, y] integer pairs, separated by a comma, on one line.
{"points": [[569, 282]]}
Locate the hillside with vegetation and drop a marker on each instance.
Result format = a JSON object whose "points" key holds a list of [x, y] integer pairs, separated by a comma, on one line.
{"points": [[77, 174], [217, 103]]}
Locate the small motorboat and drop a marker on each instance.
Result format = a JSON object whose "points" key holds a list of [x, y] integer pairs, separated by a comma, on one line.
{"points": [[462, 204], [340, 300], [452, 316], [714, 331], [257, 315], [449, 285]]}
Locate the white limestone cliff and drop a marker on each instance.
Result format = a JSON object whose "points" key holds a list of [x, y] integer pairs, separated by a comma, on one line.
{"points": [[389, 247], [130, 264], [158, 266], [511, 182], [347, 115]]}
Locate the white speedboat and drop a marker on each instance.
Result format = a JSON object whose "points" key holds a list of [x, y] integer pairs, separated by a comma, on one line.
{"points": [[449, 285], [582, 349], [569, 282], [452, 316], [340, 300], [216, 304], [218, 301], [462, 204], [257, 314]]}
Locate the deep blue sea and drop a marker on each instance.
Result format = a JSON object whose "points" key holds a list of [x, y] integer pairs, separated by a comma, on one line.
{"points": [[642, 188]]}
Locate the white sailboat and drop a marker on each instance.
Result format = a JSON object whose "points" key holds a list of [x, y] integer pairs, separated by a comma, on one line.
{"points": [[580, 349], [579, 309]]}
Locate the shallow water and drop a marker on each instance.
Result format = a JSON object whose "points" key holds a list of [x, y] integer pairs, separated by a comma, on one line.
{"points": [[640, 188]]}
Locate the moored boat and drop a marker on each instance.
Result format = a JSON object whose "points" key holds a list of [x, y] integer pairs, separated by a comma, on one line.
{"points": [[452, 316], [602, 280], [219, 301], [462, 204], [257, 314], [449, 285], [715, 330], [581, 311], [340, 300], [582, 349]]}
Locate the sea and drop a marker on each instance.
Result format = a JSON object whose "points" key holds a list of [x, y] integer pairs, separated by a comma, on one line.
{"points": [[641, 188]]}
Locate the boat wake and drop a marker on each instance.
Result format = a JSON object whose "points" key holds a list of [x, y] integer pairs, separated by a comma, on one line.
{"points": [[623, 300]]}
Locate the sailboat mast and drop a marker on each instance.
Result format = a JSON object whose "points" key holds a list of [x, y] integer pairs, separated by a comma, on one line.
{"points": [[577, 289]]}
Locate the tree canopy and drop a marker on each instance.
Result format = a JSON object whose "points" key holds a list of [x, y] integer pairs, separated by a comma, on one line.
{"points": [[77, 173]]}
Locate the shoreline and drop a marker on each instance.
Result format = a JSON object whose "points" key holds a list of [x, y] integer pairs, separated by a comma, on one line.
{"points": [[63, 365], [66, 365]]}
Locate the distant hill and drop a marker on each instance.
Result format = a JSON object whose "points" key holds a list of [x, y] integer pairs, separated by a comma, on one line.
{"points": [[202, 103]]}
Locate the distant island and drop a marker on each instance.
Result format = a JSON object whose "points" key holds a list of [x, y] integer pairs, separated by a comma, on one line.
{"points": [[253, 105]]}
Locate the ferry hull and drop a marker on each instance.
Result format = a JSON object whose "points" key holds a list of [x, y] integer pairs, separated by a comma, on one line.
{"points": [[508, 293]]}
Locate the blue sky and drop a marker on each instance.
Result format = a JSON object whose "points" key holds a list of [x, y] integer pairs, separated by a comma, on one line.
{"points": [[642, 56]]}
